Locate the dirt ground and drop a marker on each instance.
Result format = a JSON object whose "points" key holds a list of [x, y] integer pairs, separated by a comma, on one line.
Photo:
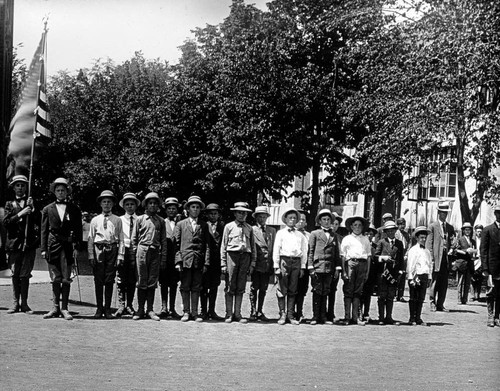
{"points": [[455, 352]]}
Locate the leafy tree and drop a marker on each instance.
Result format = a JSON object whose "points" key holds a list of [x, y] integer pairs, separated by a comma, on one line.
{"points": [[432, 80]]}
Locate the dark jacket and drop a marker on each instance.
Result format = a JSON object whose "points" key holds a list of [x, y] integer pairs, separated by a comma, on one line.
{"points": [[324, 253], [264, 248], [396, 253], [490, 250], [16, 228], [60, 235], [192, 246]]}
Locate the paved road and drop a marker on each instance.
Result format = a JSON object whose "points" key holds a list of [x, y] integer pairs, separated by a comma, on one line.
{"points": [[456, 352]]}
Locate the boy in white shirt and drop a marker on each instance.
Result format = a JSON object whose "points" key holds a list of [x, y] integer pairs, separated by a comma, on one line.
{"points": [[419, 271]]}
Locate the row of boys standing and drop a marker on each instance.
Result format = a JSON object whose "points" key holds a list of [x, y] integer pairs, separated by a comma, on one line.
{"points": [[144, 250]]}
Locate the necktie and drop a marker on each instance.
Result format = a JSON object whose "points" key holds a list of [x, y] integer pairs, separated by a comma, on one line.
{"points": [[105, 224], [264, 233], [422, 247], [131, 226]]}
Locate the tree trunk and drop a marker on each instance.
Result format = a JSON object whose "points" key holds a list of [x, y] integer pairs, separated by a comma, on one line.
{"points": [[462, 193], [316, 167]]}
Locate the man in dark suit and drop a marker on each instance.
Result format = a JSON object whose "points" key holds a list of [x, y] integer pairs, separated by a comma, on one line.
{"points": [[192, 257], [169, 278], [490, 262], [389, 256], [404, 237], [61, 236], [439, 241], [19, 247], [264, 242], [212, 278]]}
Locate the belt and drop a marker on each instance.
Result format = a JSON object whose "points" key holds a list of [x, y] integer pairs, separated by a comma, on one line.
{"points": [[105, 246], [292, 258], [358, 259]]}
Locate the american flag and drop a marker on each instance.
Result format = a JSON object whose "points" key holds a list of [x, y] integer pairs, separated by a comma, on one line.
{"points": [[32, 119]]}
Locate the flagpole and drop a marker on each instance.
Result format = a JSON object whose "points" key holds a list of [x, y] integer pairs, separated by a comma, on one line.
{"points": [[35, 133]]}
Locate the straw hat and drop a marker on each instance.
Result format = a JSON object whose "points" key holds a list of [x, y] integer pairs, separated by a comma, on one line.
{"points": [[194, 200], [211, 207], [287, 211], [241, 207], [420, 229], [467, 225], [60, 181], [443, 206], [107, 194], [261, 210], [387, 216], [18, 178], [324, 212], [149, 196], [129, 196], [172, 201], [389, 225]]}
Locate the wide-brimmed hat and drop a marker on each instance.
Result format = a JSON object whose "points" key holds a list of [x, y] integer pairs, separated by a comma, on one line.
{"points": [[194, 200], [171, 201], [60, 181], [261, 210], [387, 216], [467, 225], [106, 194], [324, 212], [149, 196], [443, 206], [287, 211], [129, 196], [211, 207], [389, 225], [18, 178], [419, 229], [352, 219], [241, 207]]}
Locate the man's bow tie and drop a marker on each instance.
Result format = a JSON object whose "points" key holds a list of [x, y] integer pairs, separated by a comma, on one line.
{"points": [[291, 229], [61, 202]]}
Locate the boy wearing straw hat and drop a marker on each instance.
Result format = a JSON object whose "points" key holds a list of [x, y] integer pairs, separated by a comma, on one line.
{"points": [[289, 262], [418, 272], [389, 256], [106, 252], [126, 272], [356, 256], [149, 248], [61, 235], [238, 258], [169, 277], [323, 262], [264, 241], [212, 278], [192, 257], [21, 222]]}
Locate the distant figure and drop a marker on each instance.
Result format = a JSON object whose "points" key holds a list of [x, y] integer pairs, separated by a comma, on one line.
{"points": [[465, 250], [439, 241], [490, 260], [477, 276]]}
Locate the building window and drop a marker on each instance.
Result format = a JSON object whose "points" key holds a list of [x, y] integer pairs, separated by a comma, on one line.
{"points": [[443, 185]]}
